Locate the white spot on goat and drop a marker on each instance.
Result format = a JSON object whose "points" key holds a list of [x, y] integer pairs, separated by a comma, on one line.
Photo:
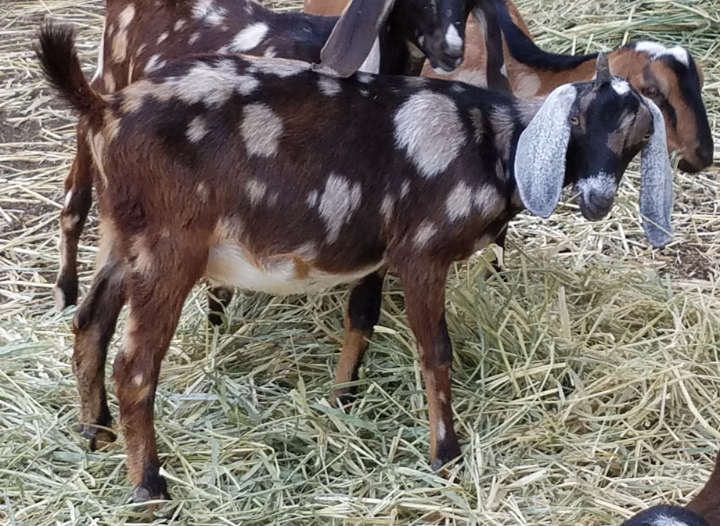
{"points": [[193, 38], [656, 51], [428, 127], [163, 36], [387, 207], [621, 87], [261, 129], [338, 202], [488, 201], [197, 129], [109, 81], [279, 67], [329, 86], [255, 190], [666, 520], [312, 198], [270, 52], [179, 24], [440, 431], [154, 63], [120, 41], [249, 38], [138, 379], [527, 84], [459, 202], [68, 197], [452, 38], [404, 188], [425, 232]]}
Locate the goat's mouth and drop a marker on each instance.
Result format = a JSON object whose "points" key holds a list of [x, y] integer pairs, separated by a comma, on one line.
{"points": [[447, 64]]}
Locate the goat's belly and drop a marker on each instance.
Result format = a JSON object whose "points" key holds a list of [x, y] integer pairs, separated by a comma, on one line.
{"points": [[235, 266]]}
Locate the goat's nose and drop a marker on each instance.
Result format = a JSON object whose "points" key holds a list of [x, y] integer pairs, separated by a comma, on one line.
{"points": [[705, 155], [599, 200]]}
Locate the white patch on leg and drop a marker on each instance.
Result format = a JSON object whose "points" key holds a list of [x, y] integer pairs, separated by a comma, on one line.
{"points": [[452, 38], [440, 431], [101, 56], [425, 232]]}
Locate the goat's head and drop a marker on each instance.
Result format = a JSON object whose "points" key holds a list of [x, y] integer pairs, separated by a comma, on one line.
{"points": [[586, 134], [435, 27], [666, 515], [672, 80]]}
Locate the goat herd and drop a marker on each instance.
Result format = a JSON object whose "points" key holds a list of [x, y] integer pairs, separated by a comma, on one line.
{"points": [[289, 152]]}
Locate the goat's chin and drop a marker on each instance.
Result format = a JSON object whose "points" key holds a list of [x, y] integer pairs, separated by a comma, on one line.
{"points": [[688, 167]]}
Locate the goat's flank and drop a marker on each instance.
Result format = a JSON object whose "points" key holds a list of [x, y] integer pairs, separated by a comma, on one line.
{"points": [[232, 180]]}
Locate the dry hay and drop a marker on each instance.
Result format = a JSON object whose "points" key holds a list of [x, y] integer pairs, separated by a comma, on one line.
{"points": [[585, 386]]}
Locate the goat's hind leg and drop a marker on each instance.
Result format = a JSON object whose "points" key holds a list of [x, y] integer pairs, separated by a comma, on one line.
{"points": [[94, 324], [157, 287], [78, 197]]}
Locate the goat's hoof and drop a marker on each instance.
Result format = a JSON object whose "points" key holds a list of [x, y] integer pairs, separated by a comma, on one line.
{"points": [[344, 397], [446, 453], [216, 319], [155, 490], [98, 438], [65, 291]]}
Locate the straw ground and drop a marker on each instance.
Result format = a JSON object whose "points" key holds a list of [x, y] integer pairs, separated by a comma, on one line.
{"points": [[585, 385]]}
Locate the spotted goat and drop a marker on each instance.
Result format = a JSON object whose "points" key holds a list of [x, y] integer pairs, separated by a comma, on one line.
{"points": [[668, 76], [232, 180], [140, 36]]}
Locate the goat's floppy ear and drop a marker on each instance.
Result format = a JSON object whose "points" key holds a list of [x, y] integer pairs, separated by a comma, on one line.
{"points": [[353, 36], [656, 191], [540, 155]]}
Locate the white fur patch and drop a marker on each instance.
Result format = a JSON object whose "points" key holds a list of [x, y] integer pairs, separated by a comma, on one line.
{"points": [[279, 67], [261, 129], [312, 198], [163, 36], [621, 87], [459, 202], [119, 41], [452, 38], [255, 190], [249, 38], [154, 63], [440, 431], [210, 13], [194, 38], [68, 197], [425, 232], [666, 520], [527, 85], [197, 129], [387, 207], [428, 127], [179, 24], [329, 86], [656, 50], [602, 184], [372, 61], [233, 265], [270, 52], [338, 202]]}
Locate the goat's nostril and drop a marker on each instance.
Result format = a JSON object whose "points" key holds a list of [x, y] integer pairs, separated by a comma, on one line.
{"points": [[600, 201]]}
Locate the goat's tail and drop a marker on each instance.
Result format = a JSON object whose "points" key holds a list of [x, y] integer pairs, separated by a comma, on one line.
{"points": [[58, 57], [524, 50]]}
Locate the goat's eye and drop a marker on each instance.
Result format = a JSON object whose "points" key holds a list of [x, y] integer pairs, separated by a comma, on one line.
{"points": [[650, 91], [646, 137], [575, 121]]}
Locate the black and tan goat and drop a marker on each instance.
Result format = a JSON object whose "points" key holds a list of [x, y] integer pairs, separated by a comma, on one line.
{"points": [[232, 179], [140, 36]]}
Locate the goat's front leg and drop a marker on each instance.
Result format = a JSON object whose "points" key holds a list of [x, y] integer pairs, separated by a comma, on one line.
{"points": [[361, 315], [218, 301], [424, 288], [78, 197], [93, 325], [156, 293]]}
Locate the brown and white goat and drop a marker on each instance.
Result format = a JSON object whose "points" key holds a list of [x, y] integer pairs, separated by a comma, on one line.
{"points": [[668, 76], [218, 166], [140, 36]]}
